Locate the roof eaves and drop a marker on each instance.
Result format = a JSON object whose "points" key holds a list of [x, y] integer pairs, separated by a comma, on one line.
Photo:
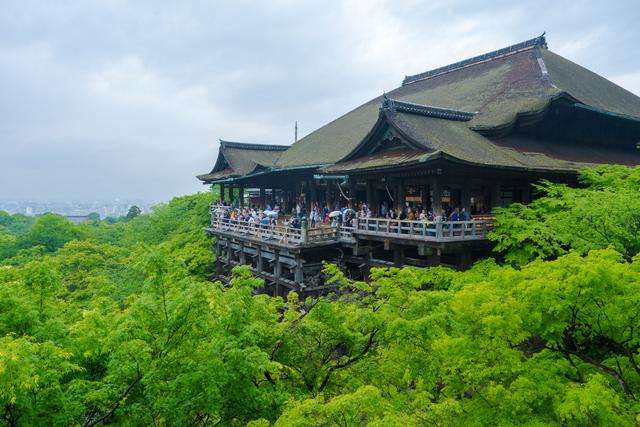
{"points": [[530, 114], [539, 41], [606, 112], [266, 171]]}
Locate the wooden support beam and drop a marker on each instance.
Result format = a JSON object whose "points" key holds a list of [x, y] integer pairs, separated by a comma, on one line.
{"points": [[241, 195], [299, 273], [495, 195], [241, 255], [370, 202], [262, 200], [398, 256], [222, 190], [313, 192], [307, 195], [259, 260], [465, 197], [277, 270], [218, 252], [351, 193], [400, 191], [228, 266], [434, 258], [436, 195], [465, 258]]}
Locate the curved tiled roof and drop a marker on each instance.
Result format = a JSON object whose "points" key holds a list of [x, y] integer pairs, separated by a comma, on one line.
{"points": [[497, 86], [238, 159], [457, 104]]}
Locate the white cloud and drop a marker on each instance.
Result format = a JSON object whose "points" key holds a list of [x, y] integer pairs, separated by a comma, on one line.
{"points": [[630, 81], [129, 98]]}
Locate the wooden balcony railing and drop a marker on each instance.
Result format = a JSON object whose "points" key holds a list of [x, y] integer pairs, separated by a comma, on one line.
{"points": [[435, 231], [440, 231], [277, 233]]}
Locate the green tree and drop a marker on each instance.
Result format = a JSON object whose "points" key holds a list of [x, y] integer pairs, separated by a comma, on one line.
{"points": [[134, 211], [51, 232], [604, 212]]}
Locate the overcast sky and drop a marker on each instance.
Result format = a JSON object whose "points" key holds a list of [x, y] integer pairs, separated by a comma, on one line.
{"points": [[127, 99]]}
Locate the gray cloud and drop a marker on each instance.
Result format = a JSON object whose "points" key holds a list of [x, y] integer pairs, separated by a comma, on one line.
{"points": [[127, 99]]}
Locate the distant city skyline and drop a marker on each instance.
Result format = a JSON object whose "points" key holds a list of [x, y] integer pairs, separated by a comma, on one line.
{"points": [[128, 99], [105, 208]]}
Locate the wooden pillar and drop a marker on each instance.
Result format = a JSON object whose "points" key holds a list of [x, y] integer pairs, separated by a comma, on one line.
{"points": [[299, 274], [526, 193], [222, 189], [259, 261], [304, 229], [398, 256], [307, 196], [313, 191], [229, 197], [241, 195], [400, 196], [367, 267], [465, 258], [228, 266], [277, 269], [241, 255], [232, 196], [218, 252], [434, 257], [370, 202], [352, 193], [465, 196], [436, 194], [262, 201], [329, 195], [495, 195]]}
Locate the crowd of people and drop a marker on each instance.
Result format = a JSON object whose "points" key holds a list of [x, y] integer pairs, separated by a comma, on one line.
{"points": [[421, 214], [318, 216]]}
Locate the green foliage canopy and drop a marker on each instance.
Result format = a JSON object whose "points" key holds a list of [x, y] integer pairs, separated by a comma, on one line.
{"points": [[118, 323], [604, 211]]}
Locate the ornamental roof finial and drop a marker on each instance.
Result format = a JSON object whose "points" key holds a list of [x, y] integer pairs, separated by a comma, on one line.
{"points": [[387, 103]]}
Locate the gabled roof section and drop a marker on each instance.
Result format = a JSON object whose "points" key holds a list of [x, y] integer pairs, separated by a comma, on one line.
{"points": [[509, 50], [427, 138], [390, 110], [238, 159], [588, 87]]}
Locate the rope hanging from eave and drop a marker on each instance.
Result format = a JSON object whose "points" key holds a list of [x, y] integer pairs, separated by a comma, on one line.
{"points": [[389, 193], [342, 193]]}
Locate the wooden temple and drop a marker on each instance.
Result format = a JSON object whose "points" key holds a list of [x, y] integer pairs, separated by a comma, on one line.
{"points": [[475, 135]]}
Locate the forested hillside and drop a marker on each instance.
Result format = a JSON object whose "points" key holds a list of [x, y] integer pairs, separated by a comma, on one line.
{"points": [[118, 323]]}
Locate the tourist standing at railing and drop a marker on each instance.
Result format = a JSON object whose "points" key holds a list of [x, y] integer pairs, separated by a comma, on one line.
{"points": [[466, 215]]}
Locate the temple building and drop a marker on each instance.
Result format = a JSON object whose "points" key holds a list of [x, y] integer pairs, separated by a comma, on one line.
{"points": [[474, 134]]}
